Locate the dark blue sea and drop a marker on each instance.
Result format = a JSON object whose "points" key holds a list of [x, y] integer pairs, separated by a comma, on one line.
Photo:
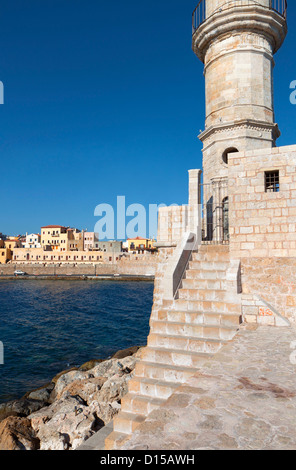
{"points": [[50, 326]]}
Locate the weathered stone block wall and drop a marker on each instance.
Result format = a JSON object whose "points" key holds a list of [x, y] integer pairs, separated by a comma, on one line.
{"points": [[172, 223], [274, 281], [262, 224], [175, 221]]}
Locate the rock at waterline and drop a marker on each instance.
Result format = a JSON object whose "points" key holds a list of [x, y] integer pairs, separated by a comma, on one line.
{"points": [[17, 434], [78, 403]]}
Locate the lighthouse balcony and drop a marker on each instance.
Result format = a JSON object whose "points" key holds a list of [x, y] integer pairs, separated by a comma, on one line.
{"points": [[206, 8]]}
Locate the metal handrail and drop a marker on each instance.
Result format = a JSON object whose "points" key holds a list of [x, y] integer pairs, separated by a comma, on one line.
{"points": [[199, 15]]}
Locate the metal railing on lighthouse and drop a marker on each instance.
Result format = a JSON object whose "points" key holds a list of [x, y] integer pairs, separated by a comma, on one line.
{"points": [[200, 13]]}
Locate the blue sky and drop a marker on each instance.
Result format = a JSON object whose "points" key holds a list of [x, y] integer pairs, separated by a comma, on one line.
{"points": [[103, 99]]}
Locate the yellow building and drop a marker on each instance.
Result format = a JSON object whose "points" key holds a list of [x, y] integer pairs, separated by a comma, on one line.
{"points": [[59, 238], [12, 242], [54, 236], [140, 244], [5, 253], [6, 248]]}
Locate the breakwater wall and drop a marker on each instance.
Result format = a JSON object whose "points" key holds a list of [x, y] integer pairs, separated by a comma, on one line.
{"points": [[124, 268]]}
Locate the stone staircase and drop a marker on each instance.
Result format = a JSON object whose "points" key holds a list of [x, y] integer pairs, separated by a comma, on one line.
{"points": [[186, 332]]}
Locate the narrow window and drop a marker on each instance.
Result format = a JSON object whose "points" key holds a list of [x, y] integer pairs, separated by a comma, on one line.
{"points": [[272, 181]]}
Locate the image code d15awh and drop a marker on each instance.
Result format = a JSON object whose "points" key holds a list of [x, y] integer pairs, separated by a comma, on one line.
{"points": [[172, 459]]}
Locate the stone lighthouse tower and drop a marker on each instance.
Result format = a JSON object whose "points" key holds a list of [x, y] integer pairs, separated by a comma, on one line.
{"points": [[236, 40], [202, 292]]}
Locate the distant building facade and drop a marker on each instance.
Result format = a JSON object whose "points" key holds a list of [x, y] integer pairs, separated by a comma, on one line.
{"points": [[92, 243], [91, 240], [54, 236], [140, 244], [60, 238], [32, 240], [5, 253], [12, 242]]}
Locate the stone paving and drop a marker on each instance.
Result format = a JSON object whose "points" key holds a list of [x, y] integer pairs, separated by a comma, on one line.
{"points": [[242, 398]]}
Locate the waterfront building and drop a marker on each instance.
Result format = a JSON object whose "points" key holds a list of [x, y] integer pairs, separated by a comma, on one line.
{"points": [[61, 238], [49, 256], [112, 246], [33, 240], [12, 242], [75, 240], [140, 244], [54, 236], [91, 240], [5, 255], [92, 243]]}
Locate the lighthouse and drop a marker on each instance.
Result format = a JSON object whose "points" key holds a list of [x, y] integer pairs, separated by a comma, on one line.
{"points": [[237, 40]]}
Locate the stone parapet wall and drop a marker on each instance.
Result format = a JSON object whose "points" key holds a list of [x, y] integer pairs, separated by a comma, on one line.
{"points": [[165, 254], [262, 224]]}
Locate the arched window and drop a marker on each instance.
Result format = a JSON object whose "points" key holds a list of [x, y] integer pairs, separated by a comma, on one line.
{"points": [[226, 152]]}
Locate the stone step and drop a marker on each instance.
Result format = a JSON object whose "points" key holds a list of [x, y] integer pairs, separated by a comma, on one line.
{"points": [[151, 387], [211, 256], [207, 294], [165, 372], [188, 343], [209, 265], [216, 284], [213, 249], [205, 274], [198, 317], [202, 330], [174, 357], [140, 404], [115, 440], [126, 423], [214, 306]]}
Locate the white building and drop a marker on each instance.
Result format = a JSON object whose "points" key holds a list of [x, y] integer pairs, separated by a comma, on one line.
{"points": [[33, 241]]}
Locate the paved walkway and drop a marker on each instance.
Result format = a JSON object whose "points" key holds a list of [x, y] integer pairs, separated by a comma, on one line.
{"points": [[243, 398]]}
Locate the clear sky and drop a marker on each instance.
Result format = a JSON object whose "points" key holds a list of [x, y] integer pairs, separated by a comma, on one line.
{"points": [[104, 99]]}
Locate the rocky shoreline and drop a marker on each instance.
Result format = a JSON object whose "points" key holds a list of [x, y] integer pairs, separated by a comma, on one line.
{"points": [[66, 412]]}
